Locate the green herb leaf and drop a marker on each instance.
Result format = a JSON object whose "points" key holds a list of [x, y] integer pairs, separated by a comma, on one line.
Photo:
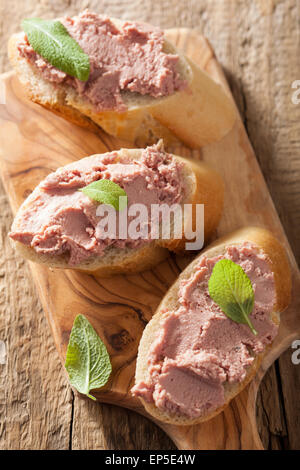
{"points": [[230, 287], [106, 192], [87, 360], [51, 40]]}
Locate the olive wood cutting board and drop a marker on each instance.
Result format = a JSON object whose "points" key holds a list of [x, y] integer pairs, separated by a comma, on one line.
{"points": [[34, 142]]}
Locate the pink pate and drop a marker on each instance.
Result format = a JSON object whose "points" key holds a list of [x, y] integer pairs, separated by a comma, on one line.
{"points": [[60, 219], [127, 58]]}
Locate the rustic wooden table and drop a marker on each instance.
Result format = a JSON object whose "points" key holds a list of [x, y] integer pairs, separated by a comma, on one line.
{"points": [[258, 44]]}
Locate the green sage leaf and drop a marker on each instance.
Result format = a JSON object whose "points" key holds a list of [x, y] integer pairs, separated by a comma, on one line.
{"points": [[106, 192], [87, 360], [51, 40]]}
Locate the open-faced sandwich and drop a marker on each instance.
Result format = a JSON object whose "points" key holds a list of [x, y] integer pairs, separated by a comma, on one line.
{"points": [[123, 76], [211, 330], [73, 219]]}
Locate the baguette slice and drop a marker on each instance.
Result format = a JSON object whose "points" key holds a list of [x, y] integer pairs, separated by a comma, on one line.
{"points": [[265, 241], [197, 115], [201, 186]]}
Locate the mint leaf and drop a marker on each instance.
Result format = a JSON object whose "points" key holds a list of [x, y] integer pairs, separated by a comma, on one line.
{"points": [[106, 192], [87, 359], [230, 287], [51, 40]]}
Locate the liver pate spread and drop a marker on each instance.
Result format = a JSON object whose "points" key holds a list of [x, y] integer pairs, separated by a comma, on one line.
{"points": [[198, 348], [60, 219], [129, 58]]}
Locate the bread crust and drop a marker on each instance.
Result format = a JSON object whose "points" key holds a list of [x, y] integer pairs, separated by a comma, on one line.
{"points": [[204, 186], [206, 107], [275, 252]]}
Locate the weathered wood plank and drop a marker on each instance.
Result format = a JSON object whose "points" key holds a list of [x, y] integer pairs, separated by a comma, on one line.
{"points": [[270, 414], [111, 427], [290, 386], [35, 400]]}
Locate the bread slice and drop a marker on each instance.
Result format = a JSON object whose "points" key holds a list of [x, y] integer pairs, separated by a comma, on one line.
{"points": [[265, 241], [201, 186], [197, 115]]}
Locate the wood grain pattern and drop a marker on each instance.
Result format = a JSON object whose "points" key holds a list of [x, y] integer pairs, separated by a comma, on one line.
{"points": [[120, 307]]}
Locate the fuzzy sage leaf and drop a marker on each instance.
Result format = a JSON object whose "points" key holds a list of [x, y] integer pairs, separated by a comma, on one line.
{"points": [[51, 40], [87, 359], [106, 192], [230, 287]]}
